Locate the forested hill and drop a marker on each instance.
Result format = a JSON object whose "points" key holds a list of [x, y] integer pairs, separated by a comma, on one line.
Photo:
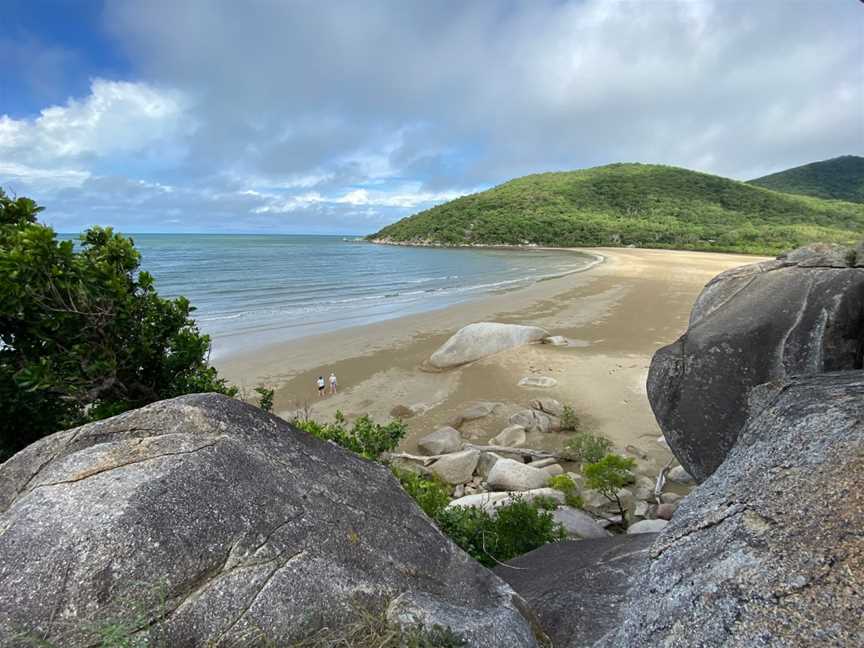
{"points": [[641, 205], [840, 178]]}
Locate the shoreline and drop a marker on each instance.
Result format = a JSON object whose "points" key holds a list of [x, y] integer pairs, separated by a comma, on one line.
{"points": [[616, 313]]}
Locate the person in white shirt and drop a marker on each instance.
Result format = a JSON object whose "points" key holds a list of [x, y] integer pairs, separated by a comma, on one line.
{"points": [[332, 382], [320, 383]]}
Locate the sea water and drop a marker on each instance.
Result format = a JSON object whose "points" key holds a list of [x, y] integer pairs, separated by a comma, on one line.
{"points": [[251, 290]]}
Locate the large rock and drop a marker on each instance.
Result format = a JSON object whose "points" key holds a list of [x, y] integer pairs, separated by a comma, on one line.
{"points": [[474, 411], [479, 340], [548, 405], [441, 441], [578, 588], [767, 551], [457, 467], [222, 526], [799, 314], [508, 474]]}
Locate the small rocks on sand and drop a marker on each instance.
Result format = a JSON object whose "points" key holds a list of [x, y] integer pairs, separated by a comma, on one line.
{"points": [[538, 381], [533, 421], [474, 411], [548, 405]]}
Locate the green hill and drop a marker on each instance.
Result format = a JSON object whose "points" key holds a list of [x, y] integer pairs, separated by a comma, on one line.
{"points": [[840, 178], [642, 205]]}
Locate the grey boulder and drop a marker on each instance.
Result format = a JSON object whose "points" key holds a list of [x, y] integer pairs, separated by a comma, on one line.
{"points": [[482, 339], [457, 467], [508, 474], [441, 441], [768, 550], [578, 588], [798, 314], [216, 524], [578, 524]]}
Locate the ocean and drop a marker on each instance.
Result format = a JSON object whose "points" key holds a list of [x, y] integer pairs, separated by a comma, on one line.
{"points": [[251, 290]]}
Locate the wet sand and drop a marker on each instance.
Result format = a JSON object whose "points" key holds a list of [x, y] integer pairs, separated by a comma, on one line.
{"points": [[616, 314]]}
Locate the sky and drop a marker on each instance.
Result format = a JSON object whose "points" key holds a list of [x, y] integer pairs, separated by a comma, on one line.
{"points": [[340, 117]]}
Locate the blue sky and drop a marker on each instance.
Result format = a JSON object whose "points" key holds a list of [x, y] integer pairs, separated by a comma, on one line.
{"points": [[340, 117]]}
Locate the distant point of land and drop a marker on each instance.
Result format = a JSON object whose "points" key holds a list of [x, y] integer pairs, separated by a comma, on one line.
{"points": [[640, 205]]}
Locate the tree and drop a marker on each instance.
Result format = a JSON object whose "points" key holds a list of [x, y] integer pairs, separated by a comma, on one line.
{"points": [[83, 333], [607, 476]]}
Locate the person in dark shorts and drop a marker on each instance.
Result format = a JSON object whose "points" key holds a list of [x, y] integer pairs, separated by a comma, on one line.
{"points": [[320, 383]]}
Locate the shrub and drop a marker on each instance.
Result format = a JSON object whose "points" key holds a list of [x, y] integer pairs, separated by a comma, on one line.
{"points": [[569, 419], [566, 485], [608, 476], [265, 398], [431, 494], [586, 448], [365, 437], [83, 333], [512, 531]]}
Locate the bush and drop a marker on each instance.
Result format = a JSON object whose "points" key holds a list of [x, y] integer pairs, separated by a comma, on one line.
{"points": [[265, 398], [566, 485], [83, 333], [608, 476], [431, 494], [514, 530], [569, 420], [365, 437], [586, 448]]}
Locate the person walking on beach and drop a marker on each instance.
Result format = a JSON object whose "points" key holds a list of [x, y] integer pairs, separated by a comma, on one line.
{"points": [[332, 382], [320, 383]]}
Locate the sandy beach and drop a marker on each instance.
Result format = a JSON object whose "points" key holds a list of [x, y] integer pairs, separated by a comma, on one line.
{"points": [[615, 314]]}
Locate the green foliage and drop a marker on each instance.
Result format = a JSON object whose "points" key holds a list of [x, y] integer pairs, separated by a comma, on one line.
{"points": [[585, 447], [569, 419], [634, 204], [83, 333], [265, 398], [840, 178], [566, 485], [609, 475], [365, 437], [431, 494], [514, 529]]}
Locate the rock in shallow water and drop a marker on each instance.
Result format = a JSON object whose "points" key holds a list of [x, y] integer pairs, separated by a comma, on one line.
{"points": [[229, 520]]}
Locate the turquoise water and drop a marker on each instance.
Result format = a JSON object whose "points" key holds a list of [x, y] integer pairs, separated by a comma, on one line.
{"points": [[252, 290]]}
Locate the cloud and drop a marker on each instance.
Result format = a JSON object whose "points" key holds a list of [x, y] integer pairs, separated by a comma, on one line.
{"points": [[344, 115]]}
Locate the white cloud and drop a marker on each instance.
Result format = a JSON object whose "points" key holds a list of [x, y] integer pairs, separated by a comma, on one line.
{"points": [[116, 118]]}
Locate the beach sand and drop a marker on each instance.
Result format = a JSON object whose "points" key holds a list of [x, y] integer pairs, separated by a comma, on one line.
{"points": [[616, 314]]}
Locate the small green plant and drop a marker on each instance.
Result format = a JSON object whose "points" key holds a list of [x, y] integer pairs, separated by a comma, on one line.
{"points": [[431, 494], [586, 448], [608, 476], [265, 397], [490, 539], [566, 485], [365, 437], [569, 419]]}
